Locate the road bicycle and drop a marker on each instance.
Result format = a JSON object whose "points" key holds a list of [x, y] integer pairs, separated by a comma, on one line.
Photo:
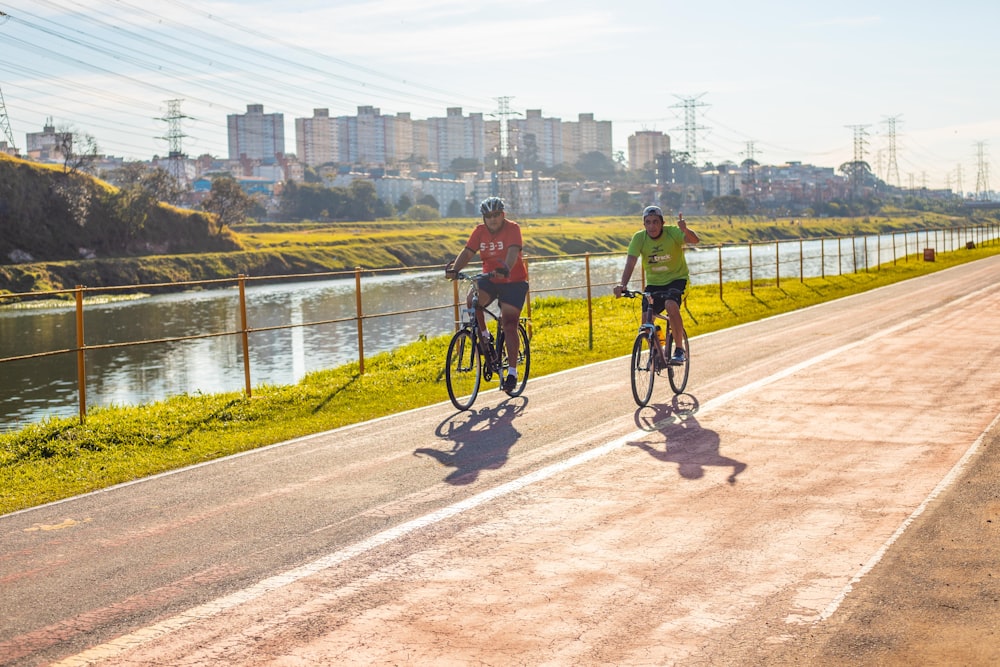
{"points": [[475, 355], [650, 357]]}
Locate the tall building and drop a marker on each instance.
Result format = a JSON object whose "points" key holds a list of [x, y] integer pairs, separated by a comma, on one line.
{"points": [[539, 140], [586, 135], [453, 136], [256, 135], [316, 139], [644, 147]]}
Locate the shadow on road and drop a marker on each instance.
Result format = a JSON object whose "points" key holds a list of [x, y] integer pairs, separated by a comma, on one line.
{"points": [[482, 441], [686, 443]]}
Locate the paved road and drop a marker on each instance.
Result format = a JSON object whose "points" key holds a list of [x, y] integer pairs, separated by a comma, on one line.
{"points": [[734, 524]]}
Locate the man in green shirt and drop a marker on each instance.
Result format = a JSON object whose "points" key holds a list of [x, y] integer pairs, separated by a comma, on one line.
{"points": [[662, 252]]}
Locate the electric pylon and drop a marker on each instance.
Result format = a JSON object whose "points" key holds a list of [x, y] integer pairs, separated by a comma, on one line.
{"points": [[5, 124], [691, 127], [175, 135], [982, 174], [892, 170]]}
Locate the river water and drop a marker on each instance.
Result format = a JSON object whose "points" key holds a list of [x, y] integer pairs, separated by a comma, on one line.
{"points": [[31, 390]]}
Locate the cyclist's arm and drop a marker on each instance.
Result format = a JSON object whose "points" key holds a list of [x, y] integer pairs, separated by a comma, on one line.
{"points": [[461, 261], [690, 236], [511, 259], [630, 262]]}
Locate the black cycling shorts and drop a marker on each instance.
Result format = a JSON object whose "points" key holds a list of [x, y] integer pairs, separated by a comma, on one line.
{"points": [[513, 294], [673, 291]]}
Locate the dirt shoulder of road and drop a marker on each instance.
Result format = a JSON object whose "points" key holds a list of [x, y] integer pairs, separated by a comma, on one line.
{"points": [[934, 599]]}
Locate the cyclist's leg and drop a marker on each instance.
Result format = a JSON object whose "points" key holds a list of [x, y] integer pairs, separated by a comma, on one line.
{"points": [[675, 293], [512, 297], [654, 308]]}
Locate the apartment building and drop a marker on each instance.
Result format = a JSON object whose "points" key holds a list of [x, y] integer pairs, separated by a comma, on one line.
{"points": [[371, 139], [539, 140], [256, 135], [317, 139], [586, 135], [644, 146], [47, 145]]}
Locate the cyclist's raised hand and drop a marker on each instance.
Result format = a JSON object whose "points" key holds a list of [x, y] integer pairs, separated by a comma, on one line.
{"points": [[449, 271], [618, 291], [501, 271]]}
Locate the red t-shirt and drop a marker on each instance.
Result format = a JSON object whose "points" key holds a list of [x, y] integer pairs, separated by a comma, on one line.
{"points": [[492, 249]]}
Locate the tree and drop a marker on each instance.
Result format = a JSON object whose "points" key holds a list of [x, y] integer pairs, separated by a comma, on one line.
{"points": [[429, 200], [622, 203], [76, 159], [455, 209], [228, 202], [362, 201], [404, 203], [422, 212], [596, 166], [728, 205]]}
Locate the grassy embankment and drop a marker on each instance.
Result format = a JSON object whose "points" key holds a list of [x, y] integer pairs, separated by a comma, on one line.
{"points": [[270, 249], [59, 458]]}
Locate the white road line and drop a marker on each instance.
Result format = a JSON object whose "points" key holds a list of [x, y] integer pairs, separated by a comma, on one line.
{"points": [[142, 636]]}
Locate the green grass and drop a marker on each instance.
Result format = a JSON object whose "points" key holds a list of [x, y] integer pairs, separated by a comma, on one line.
{"points": [[59, 458]]}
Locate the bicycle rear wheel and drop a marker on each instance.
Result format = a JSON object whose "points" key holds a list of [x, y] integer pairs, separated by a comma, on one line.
{"points": [[462, 371], [677, 374], [643, 371], [523, 359]]}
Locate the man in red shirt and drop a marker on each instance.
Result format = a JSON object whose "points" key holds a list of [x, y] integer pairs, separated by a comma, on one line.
{"points": [[498, 242]]}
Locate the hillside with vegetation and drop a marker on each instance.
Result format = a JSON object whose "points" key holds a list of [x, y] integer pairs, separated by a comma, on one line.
{"points": [[57, 214]]}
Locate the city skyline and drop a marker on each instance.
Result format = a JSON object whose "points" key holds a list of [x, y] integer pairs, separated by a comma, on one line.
{"points": [[783, 83]]}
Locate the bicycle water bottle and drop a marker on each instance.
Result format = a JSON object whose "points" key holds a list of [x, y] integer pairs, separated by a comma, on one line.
{"points": [[661, 337]]}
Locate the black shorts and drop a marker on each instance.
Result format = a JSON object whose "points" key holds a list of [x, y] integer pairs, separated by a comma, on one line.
{"points": [[513, 294], [673, 291]]}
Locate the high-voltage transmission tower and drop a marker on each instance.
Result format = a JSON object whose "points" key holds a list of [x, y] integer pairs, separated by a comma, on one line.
{"points": [[505, 168], [175, 136], [751, 177], [5, 125], [858, 167], [691, 127], [4, 120], [982, 174], [892, 169]]}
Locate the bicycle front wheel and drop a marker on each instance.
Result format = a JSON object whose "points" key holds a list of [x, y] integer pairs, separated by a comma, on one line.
{"points": [[677, 374], [462, 372], [523, 359], [643, 371]]}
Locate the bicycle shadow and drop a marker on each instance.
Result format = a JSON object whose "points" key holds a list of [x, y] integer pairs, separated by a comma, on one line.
{"points": [[482, 441], [686, 443]]}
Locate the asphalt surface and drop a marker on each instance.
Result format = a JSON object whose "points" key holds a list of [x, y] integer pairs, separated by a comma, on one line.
{"points": [[825, 493]]}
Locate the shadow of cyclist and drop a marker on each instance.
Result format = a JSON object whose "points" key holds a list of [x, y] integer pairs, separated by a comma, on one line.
{"points": [[686, 443], [482, 441]]}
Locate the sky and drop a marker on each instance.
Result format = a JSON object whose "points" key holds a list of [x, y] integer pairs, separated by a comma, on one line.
{"points": [[776, 81]]}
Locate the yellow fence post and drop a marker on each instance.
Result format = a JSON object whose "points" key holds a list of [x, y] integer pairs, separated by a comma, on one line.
{"points": [[81, 362], [590, 303], [720, 272], [244, 334], [361, 327]]}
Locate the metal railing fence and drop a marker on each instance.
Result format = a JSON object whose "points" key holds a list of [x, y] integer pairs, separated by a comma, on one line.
{"points": [[742, 263]]}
